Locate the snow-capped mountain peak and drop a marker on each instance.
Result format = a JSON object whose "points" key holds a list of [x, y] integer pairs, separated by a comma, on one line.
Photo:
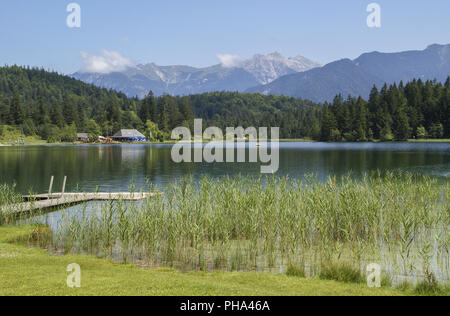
{"points": [[267, 68], [237, 75]]}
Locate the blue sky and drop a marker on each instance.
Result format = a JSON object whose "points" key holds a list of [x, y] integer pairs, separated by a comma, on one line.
{"points": [[193, 32]]}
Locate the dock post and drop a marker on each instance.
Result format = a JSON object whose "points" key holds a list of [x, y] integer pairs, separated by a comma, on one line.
{"points": [[50, 187], [63, 187]]}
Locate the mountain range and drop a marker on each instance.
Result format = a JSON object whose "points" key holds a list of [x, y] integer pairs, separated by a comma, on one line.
{"points": [[275, 74], [357, 77], [184, 80]]}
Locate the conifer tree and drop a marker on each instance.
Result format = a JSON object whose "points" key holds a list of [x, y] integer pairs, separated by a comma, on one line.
{"points": [[56, 116], [4, 112], [329, 126], [17, 110], [70, 110]]}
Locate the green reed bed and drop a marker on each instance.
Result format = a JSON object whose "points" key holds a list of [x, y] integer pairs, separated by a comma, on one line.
{"points": [[277, 224], [8, 196]]}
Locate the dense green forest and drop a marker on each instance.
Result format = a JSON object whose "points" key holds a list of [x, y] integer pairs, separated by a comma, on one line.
{"points": [[396, 112], [56, 107]]}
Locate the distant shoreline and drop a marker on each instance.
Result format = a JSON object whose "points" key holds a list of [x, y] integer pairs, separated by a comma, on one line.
{"points": [[44, 144]]}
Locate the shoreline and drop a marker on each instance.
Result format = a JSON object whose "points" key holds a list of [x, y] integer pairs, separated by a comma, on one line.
{"points": [[45, 144]]}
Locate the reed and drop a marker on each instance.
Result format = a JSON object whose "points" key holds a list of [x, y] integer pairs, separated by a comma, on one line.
{"points": [[331, 229], [8, 196]]}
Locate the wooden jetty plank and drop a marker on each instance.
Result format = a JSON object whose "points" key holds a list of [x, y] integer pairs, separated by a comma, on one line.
{"points": [[126, 196], [43, 201]]}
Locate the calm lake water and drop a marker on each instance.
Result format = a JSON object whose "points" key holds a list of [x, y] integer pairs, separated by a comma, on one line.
{"points": [[115, 167]]}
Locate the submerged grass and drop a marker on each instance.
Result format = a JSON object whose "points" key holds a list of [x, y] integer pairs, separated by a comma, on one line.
{"points": [[342, 273], [331, 229]]}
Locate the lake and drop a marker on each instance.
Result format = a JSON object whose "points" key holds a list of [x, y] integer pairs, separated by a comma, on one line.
{"points": [[114, 167]]}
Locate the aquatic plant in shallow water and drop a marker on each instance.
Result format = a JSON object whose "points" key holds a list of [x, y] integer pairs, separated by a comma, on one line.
{"points": [[269, 224], [8, 197]]}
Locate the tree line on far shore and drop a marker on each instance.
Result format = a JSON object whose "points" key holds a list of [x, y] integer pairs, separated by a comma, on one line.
{"points": [[396, 112], [56, 107]]}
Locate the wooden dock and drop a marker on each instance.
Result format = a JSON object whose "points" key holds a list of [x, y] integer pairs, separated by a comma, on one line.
{"points": [[59, 200]]}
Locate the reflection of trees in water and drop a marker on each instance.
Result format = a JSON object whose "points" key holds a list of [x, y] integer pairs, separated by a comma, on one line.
{"points": [[159, 168], [113, 167]]}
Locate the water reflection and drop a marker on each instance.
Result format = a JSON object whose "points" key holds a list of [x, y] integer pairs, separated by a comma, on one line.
{"points": [[114, 167]]}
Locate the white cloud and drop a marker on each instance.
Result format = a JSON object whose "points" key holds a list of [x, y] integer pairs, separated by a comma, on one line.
{"points": [[229, 61], [109, 61]]}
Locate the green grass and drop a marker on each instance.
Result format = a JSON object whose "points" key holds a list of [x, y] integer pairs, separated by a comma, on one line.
{"points": [[342, 273], [296, 271], [32, 271], [36, 141], [11, 136], [297, 140], [429, 140]]}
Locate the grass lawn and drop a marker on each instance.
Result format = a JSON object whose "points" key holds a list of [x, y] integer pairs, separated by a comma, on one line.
{"points": [[30, 271], [27, 141], [429, 140]]}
